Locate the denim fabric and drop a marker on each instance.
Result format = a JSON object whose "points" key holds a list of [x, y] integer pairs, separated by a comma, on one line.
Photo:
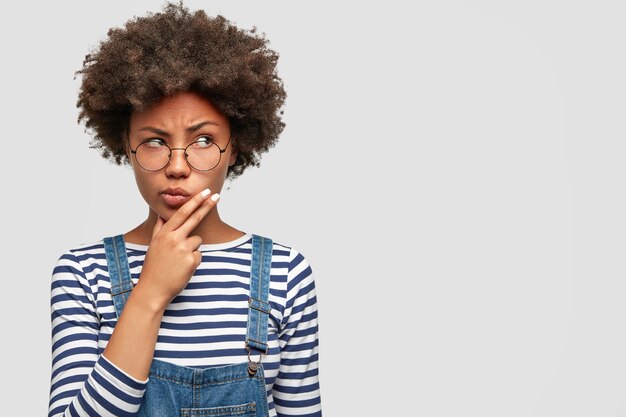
{"points": [[117, 262], [258, 305], [219, 391], [222, 391]]}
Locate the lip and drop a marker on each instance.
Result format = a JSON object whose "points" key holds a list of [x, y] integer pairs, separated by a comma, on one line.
{"points": [[176, 191], [175, 197], [174, 200]]}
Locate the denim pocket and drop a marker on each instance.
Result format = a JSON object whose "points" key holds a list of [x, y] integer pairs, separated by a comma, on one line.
{"points": [[242, 410]]}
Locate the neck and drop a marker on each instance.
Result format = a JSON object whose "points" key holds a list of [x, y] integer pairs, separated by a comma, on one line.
{"points": [[211, 229]]}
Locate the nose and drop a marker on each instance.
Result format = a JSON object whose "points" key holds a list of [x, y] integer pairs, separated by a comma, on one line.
{"points": [[177, 165]]}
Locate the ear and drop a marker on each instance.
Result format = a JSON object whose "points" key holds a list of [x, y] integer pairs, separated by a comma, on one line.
{"points": [[233, 157], [233, 153], [126, 151], [126, 143]]}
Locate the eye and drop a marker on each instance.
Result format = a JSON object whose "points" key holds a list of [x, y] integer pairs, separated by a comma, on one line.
{"points": [[203, 142], [154, 143]]}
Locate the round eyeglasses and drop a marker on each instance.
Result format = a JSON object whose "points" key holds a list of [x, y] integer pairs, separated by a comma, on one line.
{"points": [[203, 154]]}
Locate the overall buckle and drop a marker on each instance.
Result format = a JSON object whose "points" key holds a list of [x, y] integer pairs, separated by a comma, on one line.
{"points": [[252, 365]]}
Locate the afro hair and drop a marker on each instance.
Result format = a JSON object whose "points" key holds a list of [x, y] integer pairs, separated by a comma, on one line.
{"points": [[173, 51]]}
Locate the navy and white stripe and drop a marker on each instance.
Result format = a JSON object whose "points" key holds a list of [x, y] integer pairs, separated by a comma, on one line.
{"points": [[205, 325]]}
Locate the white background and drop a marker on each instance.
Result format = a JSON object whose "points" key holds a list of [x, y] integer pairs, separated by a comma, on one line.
{"points": [[453, 171]]}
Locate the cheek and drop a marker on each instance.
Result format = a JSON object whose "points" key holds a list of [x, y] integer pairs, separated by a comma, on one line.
{"points": [[145, 186], [219, 177]]}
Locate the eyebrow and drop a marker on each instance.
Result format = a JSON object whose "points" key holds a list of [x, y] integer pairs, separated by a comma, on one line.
{"points": [[190, 129]]}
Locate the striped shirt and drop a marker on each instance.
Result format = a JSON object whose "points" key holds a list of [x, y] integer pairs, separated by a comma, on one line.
{"points": [[204, 326]]}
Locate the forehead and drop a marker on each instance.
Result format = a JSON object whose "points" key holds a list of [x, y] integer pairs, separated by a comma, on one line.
{"points": [[179, 110]]}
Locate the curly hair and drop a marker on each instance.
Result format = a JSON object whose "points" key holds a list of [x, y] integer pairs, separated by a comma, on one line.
{"points": [[173, 51]]}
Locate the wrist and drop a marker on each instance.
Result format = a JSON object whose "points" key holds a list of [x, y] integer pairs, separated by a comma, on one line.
{"points": [[149, 299]]}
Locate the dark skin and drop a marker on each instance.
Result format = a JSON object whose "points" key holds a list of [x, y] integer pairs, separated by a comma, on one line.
{"points": [[173, 234], [173, 115], [235, 67]]}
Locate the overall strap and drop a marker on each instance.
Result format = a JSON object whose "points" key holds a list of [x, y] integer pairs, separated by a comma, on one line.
{"points": [[258, 303], [119, 272]]}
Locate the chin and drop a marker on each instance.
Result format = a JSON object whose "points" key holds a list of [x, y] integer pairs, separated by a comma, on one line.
{"points": [[164, 212]]}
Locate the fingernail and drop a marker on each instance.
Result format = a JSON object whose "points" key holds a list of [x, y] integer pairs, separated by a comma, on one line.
{"points": [[205, 192], [215, 197]]}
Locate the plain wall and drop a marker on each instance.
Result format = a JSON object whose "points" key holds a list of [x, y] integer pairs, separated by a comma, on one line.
{"points": [[453, 171]]}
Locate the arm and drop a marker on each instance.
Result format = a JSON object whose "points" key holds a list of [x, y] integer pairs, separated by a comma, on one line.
{"points": [[296, 389], [83, 383], [113, 384]]}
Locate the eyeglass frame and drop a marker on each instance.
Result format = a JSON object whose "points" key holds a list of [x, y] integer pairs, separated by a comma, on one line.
{"points": [[169, 158]]}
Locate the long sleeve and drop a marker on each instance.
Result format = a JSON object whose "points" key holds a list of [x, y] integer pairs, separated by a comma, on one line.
{"points": [[83, 383], [296, 388]]}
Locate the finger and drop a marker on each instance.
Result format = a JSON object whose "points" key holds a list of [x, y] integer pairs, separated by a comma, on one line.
{"points": [[157, 225], [194, 242], [197, 257], [186, 210], [196, 217]]}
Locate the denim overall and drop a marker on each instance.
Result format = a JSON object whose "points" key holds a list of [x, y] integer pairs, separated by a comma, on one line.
{"points": [[224, 391]]}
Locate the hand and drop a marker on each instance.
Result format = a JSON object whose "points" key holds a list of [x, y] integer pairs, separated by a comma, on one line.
{"points": [[173, 255]]}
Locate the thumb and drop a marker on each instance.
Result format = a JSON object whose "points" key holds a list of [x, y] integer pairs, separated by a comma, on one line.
{"points": [[157, 225]]}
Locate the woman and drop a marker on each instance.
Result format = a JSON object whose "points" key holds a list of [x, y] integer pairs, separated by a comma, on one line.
{"points": [[184, 314]]}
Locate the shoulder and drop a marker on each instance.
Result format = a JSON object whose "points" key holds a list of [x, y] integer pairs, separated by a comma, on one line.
{"points": [[72, 275], [84, 251], [288, 254], [299, 271], [299, 289], [80, 258], [86, 248]]}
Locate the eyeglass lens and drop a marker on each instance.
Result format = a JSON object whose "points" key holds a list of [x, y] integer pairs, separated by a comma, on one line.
{"points": [[202, 155]]}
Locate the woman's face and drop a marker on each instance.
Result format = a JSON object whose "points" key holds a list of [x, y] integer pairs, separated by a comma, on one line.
{"points": [[178, 121]]}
